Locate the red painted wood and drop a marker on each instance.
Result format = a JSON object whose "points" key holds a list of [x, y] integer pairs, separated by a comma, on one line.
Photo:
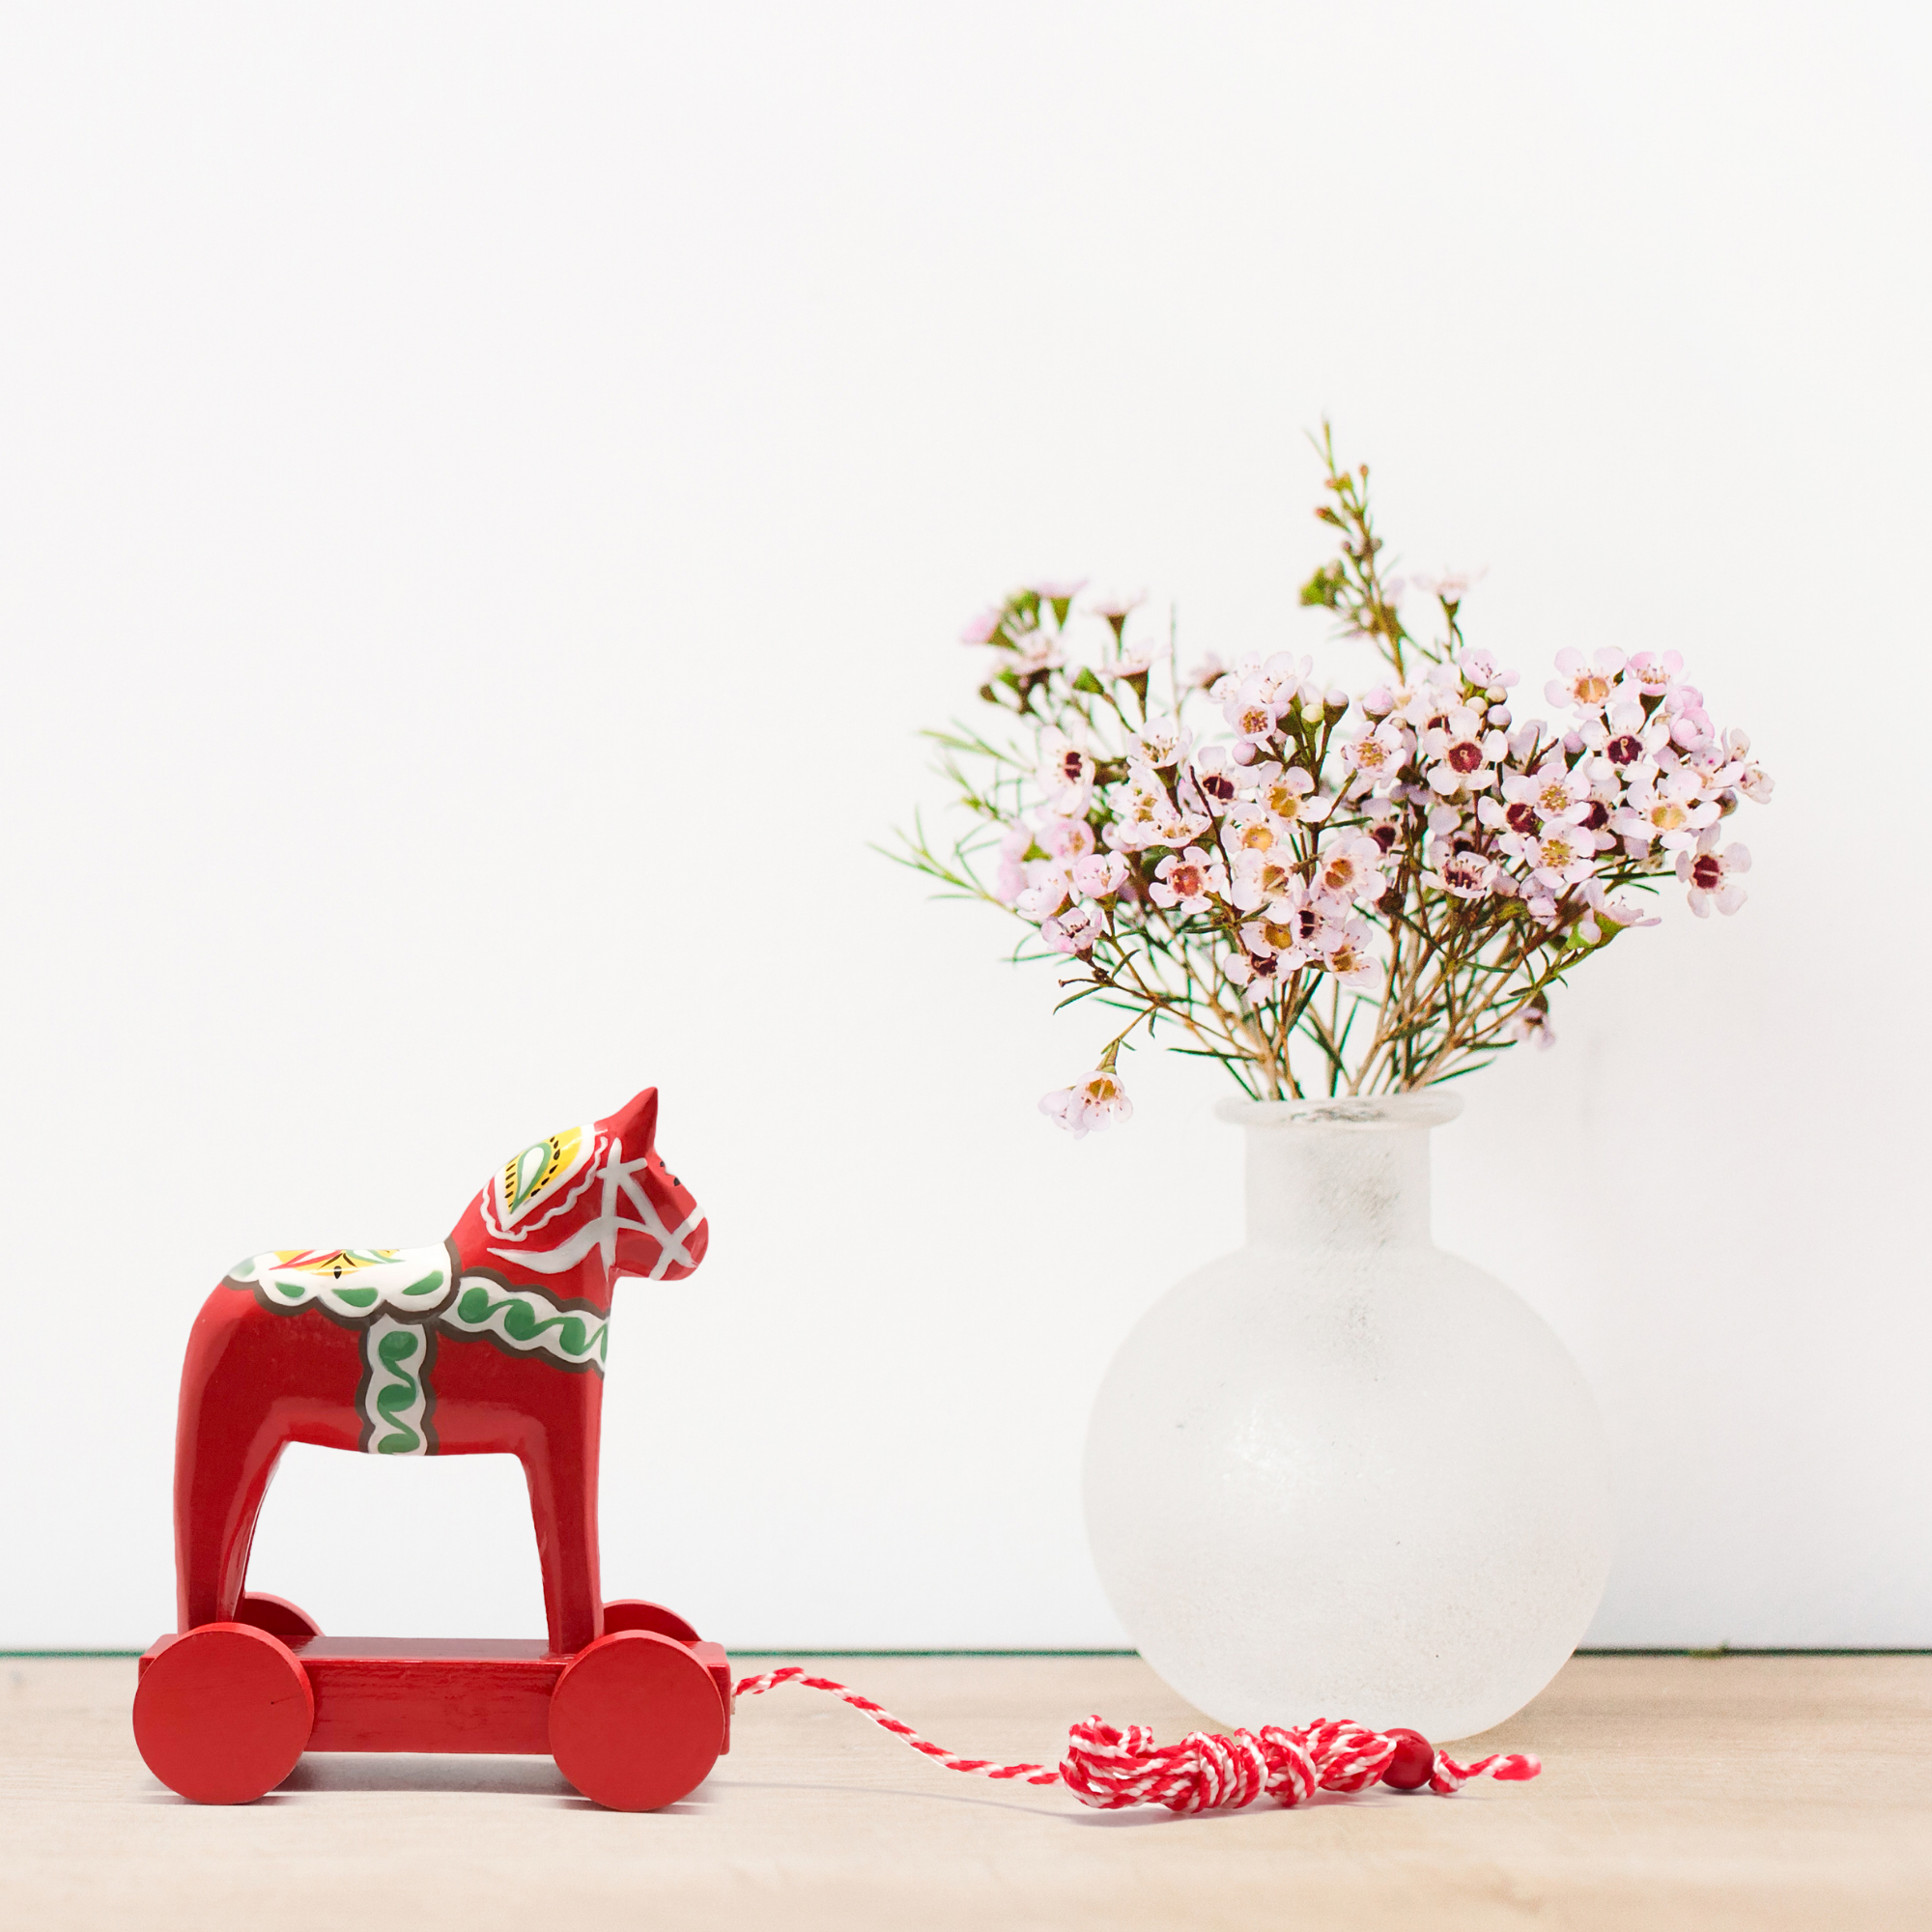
{"points": [[483, 1694], [258, 1376], [633, 1613], [277, 1615], [635, 1722], [539, 1249], [431, 1694], [712, 1657], [221, 1714]]}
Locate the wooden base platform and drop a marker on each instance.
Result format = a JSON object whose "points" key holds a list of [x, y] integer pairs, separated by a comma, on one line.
{"points": [[386, 1693], [1746, 1794]]}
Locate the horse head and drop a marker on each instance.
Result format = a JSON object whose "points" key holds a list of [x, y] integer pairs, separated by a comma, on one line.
{"points": [[573, 1213]]}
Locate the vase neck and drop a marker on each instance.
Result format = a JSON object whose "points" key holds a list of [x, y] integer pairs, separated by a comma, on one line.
{"points": [[1313, 1184]]}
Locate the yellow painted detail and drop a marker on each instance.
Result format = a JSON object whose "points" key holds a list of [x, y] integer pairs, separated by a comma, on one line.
{"points": [[336, 1261], [538, 1165]]}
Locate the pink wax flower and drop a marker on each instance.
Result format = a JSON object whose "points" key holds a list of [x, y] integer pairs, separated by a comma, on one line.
{"points": [[1065, 771], [1712, 874], [1480, 668], [1348, 867], [1559, 858], [1047, 885], [1264, 878], [1089, 1105], [1159, 742], [1076, 930], [1585, 684], [1556, 794], [1648, 676], [1462, 753], [1100, 874], [1672, 812], [1188, 881], [1443, 862], [1067, 838], [1350, 962], [1533, 1024], [1374, 754], [1259, 973], [1136, 661], [1463, 875], [1288, 796], [1450, 585]]}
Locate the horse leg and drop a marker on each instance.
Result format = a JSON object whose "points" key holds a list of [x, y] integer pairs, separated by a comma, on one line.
{"points": [[561, 1467], [252, 1382], [494, 1401]]}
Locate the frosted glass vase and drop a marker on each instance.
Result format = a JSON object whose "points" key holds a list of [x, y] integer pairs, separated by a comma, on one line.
{"points": [[1340, 1473]]}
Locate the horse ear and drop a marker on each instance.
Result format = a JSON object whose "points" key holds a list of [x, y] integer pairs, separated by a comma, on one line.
{"points": [[637, 1123]]}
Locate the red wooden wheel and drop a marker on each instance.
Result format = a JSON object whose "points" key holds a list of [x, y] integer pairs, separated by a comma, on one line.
{"points": [[277, 1615], [636, 1721], [633, 1613], [223, 1712]]}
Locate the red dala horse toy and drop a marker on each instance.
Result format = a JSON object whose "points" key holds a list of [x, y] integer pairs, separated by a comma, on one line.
{"points": [[491, 1344]]}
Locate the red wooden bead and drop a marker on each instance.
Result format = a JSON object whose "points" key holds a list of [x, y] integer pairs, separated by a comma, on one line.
{"points": [[1413, 1763], [636, 1721], [222, 1713]]}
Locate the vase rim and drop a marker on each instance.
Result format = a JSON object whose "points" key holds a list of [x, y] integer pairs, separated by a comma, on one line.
{"points": [[1426, 1109]]}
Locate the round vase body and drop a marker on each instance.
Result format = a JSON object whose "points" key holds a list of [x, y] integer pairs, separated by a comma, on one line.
{"points": [[1339, 1473]]}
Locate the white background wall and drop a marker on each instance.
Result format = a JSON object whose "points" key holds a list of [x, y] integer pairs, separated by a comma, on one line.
{"points": [[486, 498]]}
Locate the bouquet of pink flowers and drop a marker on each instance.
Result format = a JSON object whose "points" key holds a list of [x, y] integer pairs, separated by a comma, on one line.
{"points": [[1326, 893]]}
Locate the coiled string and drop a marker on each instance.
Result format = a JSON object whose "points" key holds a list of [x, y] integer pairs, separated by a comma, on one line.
{"points": [[1109, 1767]]}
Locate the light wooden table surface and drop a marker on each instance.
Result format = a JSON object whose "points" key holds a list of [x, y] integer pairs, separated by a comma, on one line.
{"points": [[1750, 1792]]}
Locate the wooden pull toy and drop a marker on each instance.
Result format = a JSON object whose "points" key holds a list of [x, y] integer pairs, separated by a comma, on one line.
{"points": [[490, 1344]]}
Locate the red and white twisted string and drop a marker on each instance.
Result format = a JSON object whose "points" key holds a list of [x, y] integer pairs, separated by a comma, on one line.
{"points": [[1108, 1768]]}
